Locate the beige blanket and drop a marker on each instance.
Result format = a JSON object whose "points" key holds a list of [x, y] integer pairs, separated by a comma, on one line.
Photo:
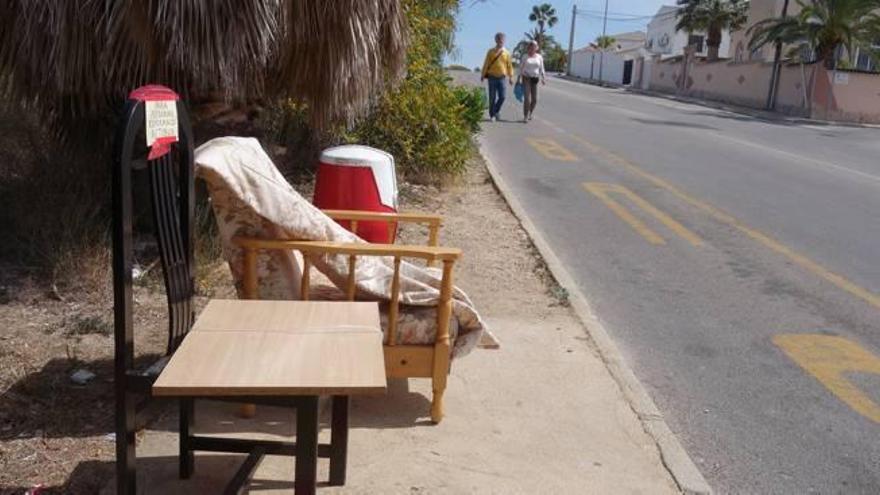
{"points": [[250, 197]]}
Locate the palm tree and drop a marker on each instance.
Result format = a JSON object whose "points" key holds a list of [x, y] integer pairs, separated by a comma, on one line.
{"points": [[605, 42], [545, 42], [825, 26], [77, 60], [713, 17], [545, 16]]}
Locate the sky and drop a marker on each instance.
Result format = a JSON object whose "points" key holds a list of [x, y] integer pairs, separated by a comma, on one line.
{"points": [[479, 20]]}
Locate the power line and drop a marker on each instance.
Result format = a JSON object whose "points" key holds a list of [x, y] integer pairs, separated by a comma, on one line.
{"points": [[619, 16], [588, 13]]}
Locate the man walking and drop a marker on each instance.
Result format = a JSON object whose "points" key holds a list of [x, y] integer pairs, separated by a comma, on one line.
{"points": [[496, 68]]}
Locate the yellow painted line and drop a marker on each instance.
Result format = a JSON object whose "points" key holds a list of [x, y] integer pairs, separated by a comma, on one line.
{"points": [[551, 149], [797, 258], [829, 359], [602, 191]]}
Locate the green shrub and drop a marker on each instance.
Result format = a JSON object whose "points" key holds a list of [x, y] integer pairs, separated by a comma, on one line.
{"points": [[474, 104], [425, 123]]}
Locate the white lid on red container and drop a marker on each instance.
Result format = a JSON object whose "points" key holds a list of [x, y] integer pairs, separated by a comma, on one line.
{"points": [[381, 163]]}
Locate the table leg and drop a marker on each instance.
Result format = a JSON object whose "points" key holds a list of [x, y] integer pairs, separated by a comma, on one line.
{"points": [[306, 446], [339, 440], [186, 457]]}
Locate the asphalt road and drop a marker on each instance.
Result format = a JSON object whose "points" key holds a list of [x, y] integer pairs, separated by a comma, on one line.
{"points": [[734, 261]]}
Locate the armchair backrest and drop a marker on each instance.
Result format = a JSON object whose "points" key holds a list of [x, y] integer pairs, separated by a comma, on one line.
{"points": [[168, 161]]}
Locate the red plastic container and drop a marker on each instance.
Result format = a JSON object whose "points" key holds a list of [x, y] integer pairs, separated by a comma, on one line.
{"points": [[354, 177]]}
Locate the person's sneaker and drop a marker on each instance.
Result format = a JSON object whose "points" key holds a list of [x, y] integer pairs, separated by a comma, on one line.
{"points": [[530, 116]]}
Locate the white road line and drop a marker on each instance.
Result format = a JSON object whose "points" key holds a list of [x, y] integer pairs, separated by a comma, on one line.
{"points": [[797, 159]]}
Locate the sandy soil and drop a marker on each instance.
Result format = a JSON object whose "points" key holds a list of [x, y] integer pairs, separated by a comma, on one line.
{"points": [[59, 434]]}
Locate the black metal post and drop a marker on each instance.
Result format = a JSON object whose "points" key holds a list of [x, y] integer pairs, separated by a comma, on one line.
{"points": [[123, 359]]}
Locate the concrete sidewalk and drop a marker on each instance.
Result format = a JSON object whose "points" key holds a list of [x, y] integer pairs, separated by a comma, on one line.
{"points": [[541, 415]]}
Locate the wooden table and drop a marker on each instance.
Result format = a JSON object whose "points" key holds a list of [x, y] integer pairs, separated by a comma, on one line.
{"points": [[283, 353]]}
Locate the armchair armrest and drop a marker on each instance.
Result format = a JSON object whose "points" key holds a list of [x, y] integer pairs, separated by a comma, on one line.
{"points": [[434, 222], [428, 253], [422, 218]]}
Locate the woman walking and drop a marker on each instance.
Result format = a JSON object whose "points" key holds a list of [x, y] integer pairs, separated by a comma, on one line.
{"points": [[531, 70]]}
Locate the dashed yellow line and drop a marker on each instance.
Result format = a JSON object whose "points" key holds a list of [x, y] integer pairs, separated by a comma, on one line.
{"points": [[829, 359], [797, 258], [551, 149], [602, 191]]}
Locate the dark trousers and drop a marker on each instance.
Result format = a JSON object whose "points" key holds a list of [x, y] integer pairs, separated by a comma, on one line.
{"points": [[530, 95], [497, 92]]}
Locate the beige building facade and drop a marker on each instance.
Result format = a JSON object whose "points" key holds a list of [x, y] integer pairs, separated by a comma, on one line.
{"points": [[758, 11]]}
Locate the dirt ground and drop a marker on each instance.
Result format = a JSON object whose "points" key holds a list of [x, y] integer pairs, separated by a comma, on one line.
{"points": [[58, 434]]}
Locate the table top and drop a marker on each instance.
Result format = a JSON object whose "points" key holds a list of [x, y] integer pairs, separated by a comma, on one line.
{"points": [[278, 348], [288, 316]]}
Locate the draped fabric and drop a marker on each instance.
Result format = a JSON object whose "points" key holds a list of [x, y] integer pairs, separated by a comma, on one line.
{"points": [[250, 197]]}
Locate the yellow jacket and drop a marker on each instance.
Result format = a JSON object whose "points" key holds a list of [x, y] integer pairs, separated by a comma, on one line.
{"points": [[497, 65]]}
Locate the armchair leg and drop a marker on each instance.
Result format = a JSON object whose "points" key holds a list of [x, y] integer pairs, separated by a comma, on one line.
{"points": [[247, 411], [439, 387]]}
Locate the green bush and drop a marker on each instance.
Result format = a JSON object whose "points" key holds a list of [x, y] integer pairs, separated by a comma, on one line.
{"points": [[425, 123], [473, 103]]}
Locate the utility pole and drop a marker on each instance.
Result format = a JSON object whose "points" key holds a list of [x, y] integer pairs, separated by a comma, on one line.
{"points": [[777, 68], [602, 50], [574, 13]]}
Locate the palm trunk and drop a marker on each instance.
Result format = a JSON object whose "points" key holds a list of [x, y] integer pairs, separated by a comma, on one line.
{"points": [[806, 101], [712, 54], [713, 43], [830, 96]]}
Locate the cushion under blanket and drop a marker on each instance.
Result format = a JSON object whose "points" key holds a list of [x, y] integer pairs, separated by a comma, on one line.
{"points": [[250, 197]]}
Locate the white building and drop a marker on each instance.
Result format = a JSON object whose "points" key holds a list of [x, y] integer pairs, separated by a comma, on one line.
{"points": [[664, 40], [618, 65], [628, 41]]}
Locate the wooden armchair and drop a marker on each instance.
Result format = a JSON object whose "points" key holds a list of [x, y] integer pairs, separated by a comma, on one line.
{"points": [[401, 361]]}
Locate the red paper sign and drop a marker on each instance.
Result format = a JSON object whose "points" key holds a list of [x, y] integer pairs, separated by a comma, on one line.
{"points": [[160, 126]]}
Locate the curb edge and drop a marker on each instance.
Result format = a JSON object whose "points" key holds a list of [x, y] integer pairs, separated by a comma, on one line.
{"points": [[672, 454]]}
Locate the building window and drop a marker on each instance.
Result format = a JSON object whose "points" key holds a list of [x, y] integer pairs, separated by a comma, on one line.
{"points": [[696, 41], [864, 60], [756, 55]]}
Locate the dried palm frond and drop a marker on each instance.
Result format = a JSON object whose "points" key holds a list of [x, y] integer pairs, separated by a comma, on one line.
{"points": [[76, 60]]}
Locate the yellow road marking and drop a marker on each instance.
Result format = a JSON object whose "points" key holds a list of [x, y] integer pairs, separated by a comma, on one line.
{"points": [[828, 359], [797, 258], [601, 191], [551, 149]]}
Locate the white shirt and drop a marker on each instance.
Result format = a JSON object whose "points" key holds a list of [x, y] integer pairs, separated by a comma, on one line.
{"points": [[532, 66]]}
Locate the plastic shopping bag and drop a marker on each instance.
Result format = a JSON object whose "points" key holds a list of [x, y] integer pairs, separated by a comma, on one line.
{"points": [[518, 91]]}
